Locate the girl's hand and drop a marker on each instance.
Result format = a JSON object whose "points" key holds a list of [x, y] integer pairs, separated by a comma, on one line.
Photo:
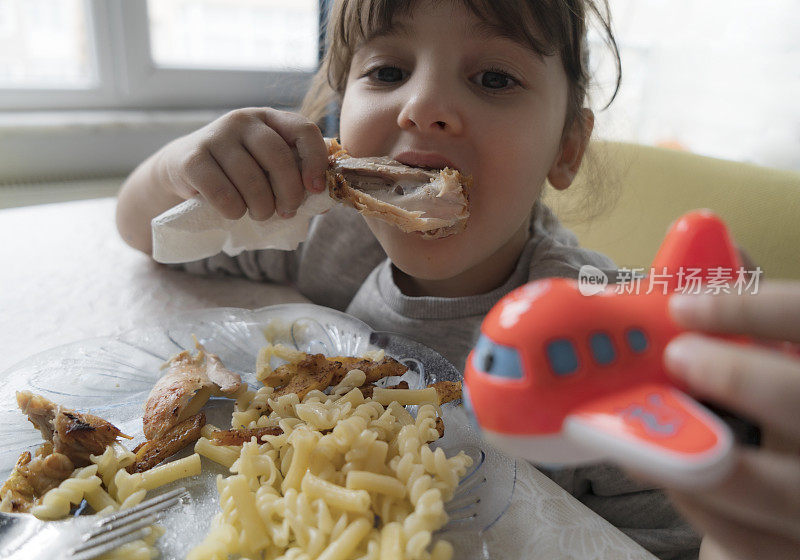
{"points": [[755, 512], [259, 160]]}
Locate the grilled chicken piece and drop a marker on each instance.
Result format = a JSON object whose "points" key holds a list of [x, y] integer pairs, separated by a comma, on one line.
{"points": [[338, 366], [70, 437], [17, 488], [242, 435], [315, 371], [76, 435], [40, 412], [185, 388], [312, 372], [32, 479], [447, 390], [434, 202], [307, 365], [440, 426], [151, 453], [387, 367]]}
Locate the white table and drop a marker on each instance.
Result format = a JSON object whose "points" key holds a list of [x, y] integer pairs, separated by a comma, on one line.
{"points": [[65, 275]]}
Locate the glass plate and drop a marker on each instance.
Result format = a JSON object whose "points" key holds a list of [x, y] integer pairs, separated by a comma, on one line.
{"points": [[112, 377]]}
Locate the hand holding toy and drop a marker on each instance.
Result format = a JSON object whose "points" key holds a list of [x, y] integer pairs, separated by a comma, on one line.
{"points": [[562, 377]]}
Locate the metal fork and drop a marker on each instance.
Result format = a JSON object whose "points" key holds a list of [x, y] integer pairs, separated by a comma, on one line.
{"points": [[23, 536]]}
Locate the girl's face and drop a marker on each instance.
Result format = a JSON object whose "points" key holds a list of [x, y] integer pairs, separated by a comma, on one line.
{"points": [[443, 88]]}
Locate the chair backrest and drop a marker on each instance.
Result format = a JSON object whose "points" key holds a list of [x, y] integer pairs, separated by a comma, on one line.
{"points": [[760, 205]]}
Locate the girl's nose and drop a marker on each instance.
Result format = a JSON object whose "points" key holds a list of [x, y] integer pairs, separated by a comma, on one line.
{"points": [[431, 107]]}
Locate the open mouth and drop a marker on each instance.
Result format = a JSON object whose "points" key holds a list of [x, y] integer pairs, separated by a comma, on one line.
{"points": [[418, 198], [424, 160]]}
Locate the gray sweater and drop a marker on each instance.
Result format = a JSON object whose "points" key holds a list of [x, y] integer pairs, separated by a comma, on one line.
{"points": [[341, 265]]}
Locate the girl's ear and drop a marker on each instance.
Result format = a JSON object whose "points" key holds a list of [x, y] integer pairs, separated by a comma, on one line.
{"points": [[573, 146]]}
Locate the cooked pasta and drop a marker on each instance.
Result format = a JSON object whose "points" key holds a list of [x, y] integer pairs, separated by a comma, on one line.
{"points": [[114, 459], [348, 477], [221, 454], [170, 472], [108, 487], [406, 396], [57, 502]]}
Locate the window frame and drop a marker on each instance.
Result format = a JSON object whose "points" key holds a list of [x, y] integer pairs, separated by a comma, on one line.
{"points": [[133, 109], [127, 77]]}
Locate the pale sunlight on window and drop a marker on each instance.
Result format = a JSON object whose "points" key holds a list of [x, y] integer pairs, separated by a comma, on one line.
{"points": [[45, 44], [717, 77], [252, 34]]}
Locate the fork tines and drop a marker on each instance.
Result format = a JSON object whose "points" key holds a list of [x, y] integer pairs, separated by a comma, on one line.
{"points": [[125, 526]]}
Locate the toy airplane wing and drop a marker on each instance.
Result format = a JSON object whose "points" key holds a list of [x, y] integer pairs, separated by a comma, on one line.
{"points": [[697, 248], [658, 431]]}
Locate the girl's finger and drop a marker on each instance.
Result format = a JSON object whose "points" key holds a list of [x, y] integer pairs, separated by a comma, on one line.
{"points": [[204, 173], [774, 312], [278, 159], [760, 383], [249, 179], [763, 491], [306, 138]]}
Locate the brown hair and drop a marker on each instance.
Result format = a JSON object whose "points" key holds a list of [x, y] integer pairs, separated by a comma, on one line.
{"points": [[561, 24]]}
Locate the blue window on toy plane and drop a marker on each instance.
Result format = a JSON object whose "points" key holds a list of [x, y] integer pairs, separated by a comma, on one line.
{"points": [[496, 359], [562, 357], [602, 349], [637, 340]]}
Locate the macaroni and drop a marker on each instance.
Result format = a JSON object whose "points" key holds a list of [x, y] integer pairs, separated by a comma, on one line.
{"points": [[349, 477], [107, 487], [57, 502]]}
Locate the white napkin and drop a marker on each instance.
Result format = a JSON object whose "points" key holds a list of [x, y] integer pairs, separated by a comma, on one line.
{"points": [[194, 230]]}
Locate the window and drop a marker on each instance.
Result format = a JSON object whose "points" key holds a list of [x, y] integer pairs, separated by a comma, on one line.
{"points": [[715, 77], [45, 44], [496, 360], [245, 34], [602, 349], [62, 54], [562, 357], [90, 88]]}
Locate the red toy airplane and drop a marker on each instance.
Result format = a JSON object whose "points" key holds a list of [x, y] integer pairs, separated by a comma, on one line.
{"points": [[562, 377]]}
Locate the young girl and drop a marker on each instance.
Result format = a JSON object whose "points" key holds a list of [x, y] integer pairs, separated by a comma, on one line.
{"points": [[495, 89]]}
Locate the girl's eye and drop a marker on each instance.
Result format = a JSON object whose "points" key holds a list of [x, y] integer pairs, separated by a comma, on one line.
{"points": [[496, 80], [387, 74]]}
